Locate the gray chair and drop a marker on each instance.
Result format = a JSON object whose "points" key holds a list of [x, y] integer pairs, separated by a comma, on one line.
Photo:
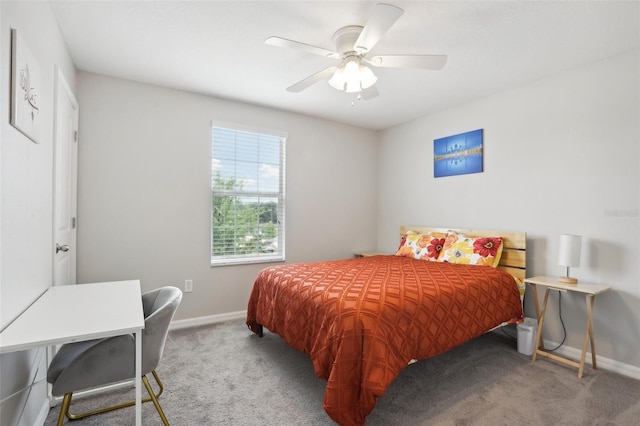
{"points": [[83, 365]]}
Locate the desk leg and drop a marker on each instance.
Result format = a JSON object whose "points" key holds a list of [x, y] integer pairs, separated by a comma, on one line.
{"points": [[588, 336], [540, 320], [137, 379]]}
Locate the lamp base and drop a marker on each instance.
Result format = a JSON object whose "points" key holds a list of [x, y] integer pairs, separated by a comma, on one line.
{"points": [[568, 280]]}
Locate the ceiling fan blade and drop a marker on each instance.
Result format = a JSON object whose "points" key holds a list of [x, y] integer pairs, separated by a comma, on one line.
{"points": [[430, 62], [382, 18], [283, 42], [369, 93], [312, 79]]}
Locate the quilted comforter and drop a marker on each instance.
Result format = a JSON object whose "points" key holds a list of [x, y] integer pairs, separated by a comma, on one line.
{"points": [[362, 320]]}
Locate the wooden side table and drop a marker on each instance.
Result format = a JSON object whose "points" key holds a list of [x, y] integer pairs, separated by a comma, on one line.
{"points": [[368, 253], [590, 291]]}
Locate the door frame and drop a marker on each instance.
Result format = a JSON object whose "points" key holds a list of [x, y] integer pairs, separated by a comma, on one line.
{"points": [[62, 89]]}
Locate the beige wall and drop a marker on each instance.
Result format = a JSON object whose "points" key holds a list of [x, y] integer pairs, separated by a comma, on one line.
{"points": [[144, 190], [561, 155]]}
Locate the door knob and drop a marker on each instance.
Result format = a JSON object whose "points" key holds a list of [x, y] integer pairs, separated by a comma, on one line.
{"points": [[64, 248]]}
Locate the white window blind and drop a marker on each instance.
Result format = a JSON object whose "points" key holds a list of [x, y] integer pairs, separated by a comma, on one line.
{"points": [[247, 196]]}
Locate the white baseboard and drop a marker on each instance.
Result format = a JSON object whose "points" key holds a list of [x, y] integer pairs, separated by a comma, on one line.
{"points": [[211, 319], [56, 400], [44, 412], [602, 362]]}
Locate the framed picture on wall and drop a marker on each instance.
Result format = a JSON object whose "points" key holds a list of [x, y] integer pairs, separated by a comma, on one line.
{"points": [[458, 154], [26, 89]]}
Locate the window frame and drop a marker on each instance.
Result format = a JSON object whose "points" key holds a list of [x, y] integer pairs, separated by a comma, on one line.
{"points": [[239, 259]]}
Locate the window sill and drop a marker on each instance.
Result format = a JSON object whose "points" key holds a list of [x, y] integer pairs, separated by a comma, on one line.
{"points": [[246, 260]]}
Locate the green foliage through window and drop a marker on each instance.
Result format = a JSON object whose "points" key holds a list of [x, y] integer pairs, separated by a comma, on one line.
{"points": [[247, 196]]}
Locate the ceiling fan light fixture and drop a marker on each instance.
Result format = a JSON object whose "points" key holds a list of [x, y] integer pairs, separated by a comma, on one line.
{"points": [[352, 77]]}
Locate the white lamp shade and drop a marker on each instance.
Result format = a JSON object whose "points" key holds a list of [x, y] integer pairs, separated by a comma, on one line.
{"points": [[569, 250]]}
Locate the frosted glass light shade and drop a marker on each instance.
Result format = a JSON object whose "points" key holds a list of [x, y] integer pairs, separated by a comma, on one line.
{"points": [[352, 77], [569, 250], [353, 86], [367, 77], [337, 80]]}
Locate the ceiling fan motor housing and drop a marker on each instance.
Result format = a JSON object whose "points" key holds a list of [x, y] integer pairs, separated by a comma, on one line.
{"points": [[345, 39]]}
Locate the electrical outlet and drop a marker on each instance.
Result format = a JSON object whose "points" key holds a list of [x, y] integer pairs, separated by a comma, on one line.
{"points": [[188, 286]]}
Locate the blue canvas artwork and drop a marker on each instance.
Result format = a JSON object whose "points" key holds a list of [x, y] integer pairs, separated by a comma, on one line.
{"points": [[458, 154]]}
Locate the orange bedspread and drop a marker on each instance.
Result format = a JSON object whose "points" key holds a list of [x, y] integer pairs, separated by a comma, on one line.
{"points": [[362, 320]]}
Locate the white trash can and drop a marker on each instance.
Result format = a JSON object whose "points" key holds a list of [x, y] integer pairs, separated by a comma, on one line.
{"points": [[527, 335]]}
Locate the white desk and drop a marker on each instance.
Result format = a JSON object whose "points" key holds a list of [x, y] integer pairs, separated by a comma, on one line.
{"points": [[79, 312]]}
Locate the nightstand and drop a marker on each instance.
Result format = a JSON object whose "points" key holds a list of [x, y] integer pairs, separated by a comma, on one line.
{"points": [[368, 253], [590, 291]]}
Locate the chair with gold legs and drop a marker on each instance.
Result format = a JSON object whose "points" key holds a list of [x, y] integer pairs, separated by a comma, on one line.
{"points": [[83, 365]]}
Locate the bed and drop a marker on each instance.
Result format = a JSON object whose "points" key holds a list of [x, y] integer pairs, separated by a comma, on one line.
{"points": [[363, 320]]}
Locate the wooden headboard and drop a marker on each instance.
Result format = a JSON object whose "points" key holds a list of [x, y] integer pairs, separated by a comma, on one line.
{"points": [[514, 253]]}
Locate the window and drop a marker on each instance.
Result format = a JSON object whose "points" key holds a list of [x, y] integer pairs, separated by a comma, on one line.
{"points": [[247, 196]]}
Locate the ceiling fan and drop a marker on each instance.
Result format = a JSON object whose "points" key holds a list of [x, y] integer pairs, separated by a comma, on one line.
{"points": [[353, 43]]}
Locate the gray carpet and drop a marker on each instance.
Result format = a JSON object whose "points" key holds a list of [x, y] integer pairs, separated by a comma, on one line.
{"points": [[224, 375]]}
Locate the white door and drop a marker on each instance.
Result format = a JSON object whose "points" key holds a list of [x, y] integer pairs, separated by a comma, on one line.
{"points": [[65, 179]]}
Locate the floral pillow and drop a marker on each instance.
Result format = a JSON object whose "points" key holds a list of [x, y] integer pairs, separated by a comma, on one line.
{"points": [[471, 250], [421, 246]]}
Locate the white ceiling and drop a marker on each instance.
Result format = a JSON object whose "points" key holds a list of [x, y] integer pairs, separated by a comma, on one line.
{"points": [[216, 48]]}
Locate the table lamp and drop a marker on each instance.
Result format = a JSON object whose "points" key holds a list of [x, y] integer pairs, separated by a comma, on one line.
{"points": [[569, 255]]}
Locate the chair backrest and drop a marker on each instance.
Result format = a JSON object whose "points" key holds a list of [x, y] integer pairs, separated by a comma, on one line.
{"points": [[159, 306]]}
